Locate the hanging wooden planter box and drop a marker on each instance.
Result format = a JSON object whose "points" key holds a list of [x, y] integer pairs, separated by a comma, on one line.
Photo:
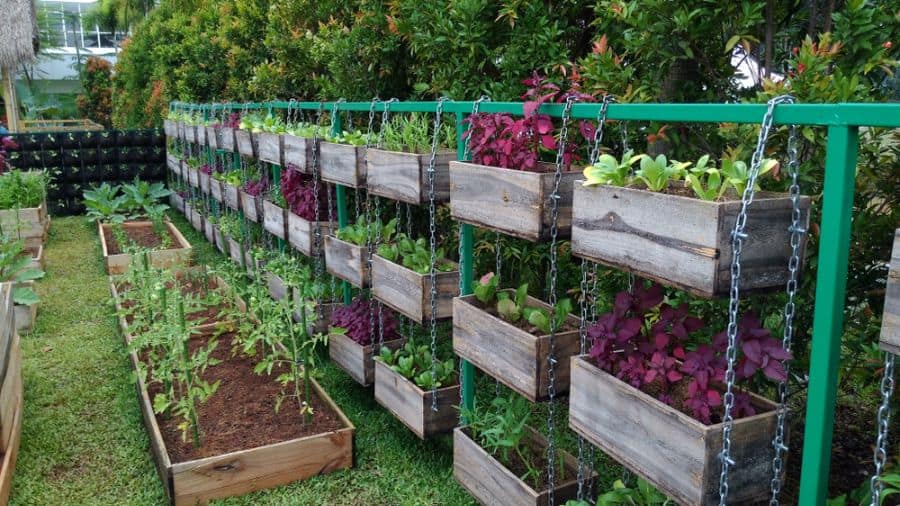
{"points": [[676, 453], [278, 290], [204, 182], [412, 405], [355, 359], [190, 134], [30, 224], [221, 242], [236, 251], [403, 176], [193, 177], [490, 482], [170, 127], [275, 219], [252, 206], [343, 164], [682, 241], [215, 189], [212, 137], [197, 221], [230, 196], [505, 352], [514, 202], [172, 163], [890, 322], [177, 202], [302, 233], [409, 293], [227, 139], [270, 147], [323, 322], [244, 139], [347, 261], [201, 136], [209, 230], [117, 263], [298, 151]]}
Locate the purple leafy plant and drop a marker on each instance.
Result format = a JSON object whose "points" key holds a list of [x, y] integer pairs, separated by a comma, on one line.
{"points": [[255, 188], [355, 321], [298, 191], [206, 169]]}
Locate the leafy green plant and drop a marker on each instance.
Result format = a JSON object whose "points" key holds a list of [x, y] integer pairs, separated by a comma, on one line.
{"points": [[230, 226], [353, 138], [20, 189], [413, 134], [358, 233], [541, 318], [14, 261], [512, 309], [656, 173], [643, 494], [105, 203], [486, 288], [413, 362], [142, 197], [609, 170], [415, 255]]}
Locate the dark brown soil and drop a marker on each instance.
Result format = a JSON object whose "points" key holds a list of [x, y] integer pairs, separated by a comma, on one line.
{"points": [[241, 414], [189, 285], [522, 323], [144, 237], [538, 461]]}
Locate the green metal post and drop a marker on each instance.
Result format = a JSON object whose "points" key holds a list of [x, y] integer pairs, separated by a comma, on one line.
{"points": [[341, 194], [467, 273], [831, 285], [276, 184]]}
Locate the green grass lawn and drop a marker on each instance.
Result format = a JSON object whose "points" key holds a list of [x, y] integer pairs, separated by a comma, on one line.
{"points": [[83, 441]]}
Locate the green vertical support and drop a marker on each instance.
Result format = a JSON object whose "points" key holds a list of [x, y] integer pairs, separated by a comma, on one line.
{"points": [[341, 194], [276, 182], [828, 323], [467, 273]]}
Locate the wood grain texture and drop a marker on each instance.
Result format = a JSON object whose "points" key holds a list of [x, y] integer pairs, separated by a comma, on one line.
{"points": [[235, 251], [193, 177], [246, 142], [346, 261], [674, 452], [227, 140], [208, 231], [221, 243], [355, 359], [25, 315], [682, 241], [177, 202], [412, 406], [274, 219], [11, 393], [505, 352], [170, 127], [251, 206], [179, 254], [301, 233], [26, 223], [511, 201], [190, 134], [197, 220], [298, 151], [343, 164], [491, 483], [270, 147], [890, 322], [204, 182], [403, 176], [8, 465], [212, 137], [408, 292], [215, 189], [172, 163], [230, 196]]}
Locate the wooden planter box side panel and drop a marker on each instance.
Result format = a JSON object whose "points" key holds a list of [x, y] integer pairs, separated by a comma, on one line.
{"points": [[403, 176], [230, 195], [412, 406], [228, 140], [236, 250], [298, 152], [8, 466], [357, 360], [10, 392], [302, 233], [346, 261], [251, 206], [274, 219], [212, 138], [244, 141], [180, 253], [343, 164], [514, 202], [676, 453], [515, 357], [409, 292], [890, 323], [271, 147]]}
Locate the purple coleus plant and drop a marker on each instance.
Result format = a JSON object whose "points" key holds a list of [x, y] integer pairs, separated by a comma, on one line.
{"points": [[206, 169], [255, 188], [299, 193], [642, 341], [355, 320]]}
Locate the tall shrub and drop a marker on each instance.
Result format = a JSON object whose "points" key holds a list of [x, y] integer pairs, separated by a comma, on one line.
{"points": [[96, 101]]}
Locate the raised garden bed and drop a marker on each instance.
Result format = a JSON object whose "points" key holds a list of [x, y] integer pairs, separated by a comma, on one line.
{"points": [[507, 352], [403, 176], [683, 241], [346, 261], [890, 322], [31, 224], [25, 315], [408, 292], [144, 234], [343, 164], [412, 405]]}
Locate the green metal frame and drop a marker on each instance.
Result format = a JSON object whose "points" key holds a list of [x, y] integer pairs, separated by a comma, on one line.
{"points": [[842, 121]]}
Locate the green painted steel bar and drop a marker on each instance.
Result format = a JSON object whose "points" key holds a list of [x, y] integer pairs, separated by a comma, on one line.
{"points": [[828, 322], [467, 274], [276, 185]]}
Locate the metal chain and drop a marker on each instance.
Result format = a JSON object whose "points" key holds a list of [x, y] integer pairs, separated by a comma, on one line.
{"points": [[598, 133], [498, 264], [551, 356], [385, 115], [475, 107], [582, 336], [884, 420], [738, 235], [790, 307], [438, 115], [371, 231]]}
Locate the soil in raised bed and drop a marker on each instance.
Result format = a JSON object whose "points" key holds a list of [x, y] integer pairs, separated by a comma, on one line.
{"points": [[192, 286], [241, 414], [144, 237], [538, 461], [522, 324]]}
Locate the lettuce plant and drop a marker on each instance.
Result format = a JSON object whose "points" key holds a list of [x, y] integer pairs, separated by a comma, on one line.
{"points": [[355, 321], [353, 138], [358, 233], [413, 134], [255, 188], [415, 255], [413, 362], [513, 308], [14, 260]]}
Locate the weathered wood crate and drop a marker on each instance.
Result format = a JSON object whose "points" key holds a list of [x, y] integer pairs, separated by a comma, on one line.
{"points": [[236, 251], [343, 164], [674, 452], [221, 242], [412, 405], [30, 224], [201, 135], [270, 147], [490, 482], [215, 189], [408, 292], [230, 195], [682, 241], [179, 254], [298, 151], [403, 176], [227, 139], [513, 202], [172, 163], [347, 261], [890, 322], [170, 127], [275, 219], [301, 233], [355, 359], [25, 315], [209, 230], [278, 290], [212, 137], [204, 182], [179, 130], [251, 206], [190, 134], [246, 142], [197, 220], [11, 391], [507, 353], [193, 177], [176, 201]]}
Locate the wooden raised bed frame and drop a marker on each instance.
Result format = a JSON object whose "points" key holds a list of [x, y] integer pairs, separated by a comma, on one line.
{"points": [[490, 482], [890, 322], [507, 353], [346, 261], [412, 405], [25, 315], [301, 233], [676, 453], [683, 241], [403, 176], [408, 292], [356, 360], [514, 202], [118, 264], [343, 164], [243, 471], [31, 224]]}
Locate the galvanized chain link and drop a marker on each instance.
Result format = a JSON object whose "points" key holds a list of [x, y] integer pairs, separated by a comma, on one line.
{"points": [[385, 116], [551, 356], [319, 257], [432, 215], [738, 235], [371, 231], [475, 107], [498, 264], [790, 308], [598, 132], [884, 420], [582, 336]]}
